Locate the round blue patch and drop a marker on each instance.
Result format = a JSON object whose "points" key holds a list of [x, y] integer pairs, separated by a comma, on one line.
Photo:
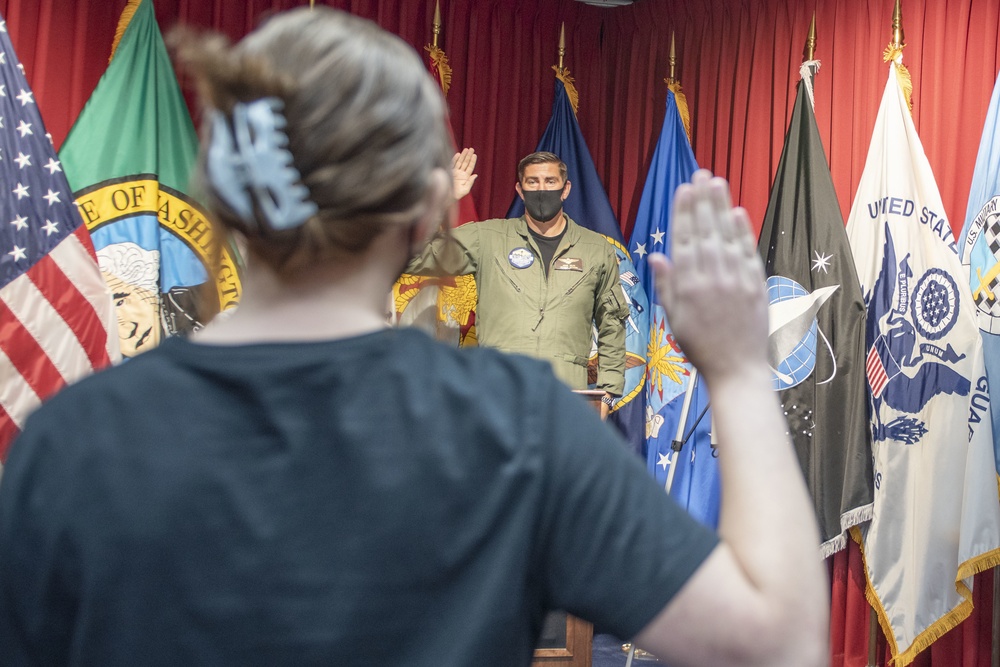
{"points": [[521, 258]]}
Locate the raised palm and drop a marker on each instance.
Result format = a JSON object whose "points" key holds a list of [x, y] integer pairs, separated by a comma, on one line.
{"points": [[463, 167]]}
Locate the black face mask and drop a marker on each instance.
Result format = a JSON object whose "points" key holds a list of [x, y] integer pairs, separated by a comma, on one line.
{"points": [[542, 205]]}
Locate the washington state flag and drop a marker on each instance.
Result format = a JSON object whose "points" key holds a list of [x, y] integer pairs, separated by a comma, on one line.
{"points": [[128, 159]]}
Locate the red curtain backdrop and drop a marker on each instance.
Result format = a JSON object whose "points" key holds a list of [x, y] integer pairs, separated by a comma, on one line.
{"points": [[738, 62]]}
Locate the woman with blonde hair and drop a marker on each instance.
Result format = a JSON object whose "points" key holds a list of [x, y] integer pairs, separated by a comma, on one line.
{"points": [[297, 484]]}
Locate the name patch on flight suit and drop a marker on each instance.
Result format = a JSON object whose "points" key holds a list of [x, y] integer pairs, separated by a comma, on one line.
{"points": [[521, 258], [568, 264]]}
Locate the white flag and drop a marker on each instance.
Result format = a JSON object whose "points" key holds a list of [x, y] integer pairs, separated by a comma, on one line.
{"points": [[937, 517]]}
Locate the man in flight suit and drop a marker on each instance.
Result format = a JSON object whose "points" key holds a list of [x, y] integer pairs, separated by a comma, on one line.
{"points": [[544, 281]]}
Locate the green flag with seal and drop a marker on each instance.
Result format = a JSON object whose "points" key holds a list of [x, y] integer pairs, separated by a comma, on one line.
{"points": [[129, 158]]}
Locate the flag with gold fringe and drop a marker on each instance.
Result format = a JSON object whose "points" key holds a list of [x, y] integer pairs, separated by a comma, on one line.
{"points": [[936, 519], [443, 306]]}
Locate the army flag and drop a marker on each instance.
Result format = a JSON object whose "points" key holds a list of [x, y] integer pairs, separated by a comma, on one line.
{"points": [[817, 328], [445, 307], [695, 483], [936, 519], [588, 205], [980, 250], [129, 158], [57, 322]]}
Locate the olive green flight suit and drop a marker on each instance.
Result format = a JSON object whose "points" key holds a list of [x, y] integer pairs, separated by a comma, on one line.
{"points": [[520, 310]]}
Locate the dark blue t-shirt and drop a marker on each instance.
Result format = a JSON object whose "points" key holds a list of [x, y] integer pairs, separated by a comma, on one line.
{"points": [[379, 500]]}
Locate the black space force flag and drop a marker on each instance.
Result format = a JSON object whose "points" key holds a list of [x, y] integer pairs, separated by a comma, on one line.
{"points": [[817, 327]]}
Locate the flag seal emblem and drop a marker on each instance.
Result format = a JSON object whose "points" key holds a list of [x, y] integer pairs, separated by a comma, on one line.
{"points": [[981, 257], [904, 372], [140, 211], [935, 304]]}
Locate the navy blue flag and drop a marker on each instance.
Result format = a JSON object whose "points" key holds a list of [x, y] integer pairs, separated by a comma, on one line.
{"points": [[589, 207], [695, 483]]}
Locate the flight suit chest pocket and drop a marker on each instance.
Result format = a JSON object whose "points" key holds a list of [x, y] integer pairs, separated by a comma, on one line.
{"points": [[506, 278], [615, 303]]}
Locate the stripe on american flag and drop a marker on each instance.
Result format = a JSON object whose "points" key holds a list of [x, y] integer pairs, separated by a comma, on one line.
{"points": [[67, 281], [17, 398], [877, 377]]}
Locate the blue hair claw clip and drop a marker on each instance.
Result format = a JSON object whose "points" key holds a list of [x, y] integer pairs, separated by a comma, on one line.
{"points": [[250, 162]]}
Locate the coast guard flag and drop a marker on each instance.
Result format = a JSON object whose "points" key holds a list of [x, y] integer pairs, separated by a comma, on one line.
{"points": [[56, 316], [980, 249], [817, 328], [936, 516], [696, 481], [588, 206], [129, 158]]}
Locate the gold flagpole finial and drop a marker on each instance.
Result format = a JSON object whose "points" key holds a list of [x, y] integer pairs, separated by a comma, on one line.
{"points": [[673, 57], [437, 22], [809, 52], [312, 5], [562, 44], [563, 74], [897, 26], [674, 86], [894, 53]]}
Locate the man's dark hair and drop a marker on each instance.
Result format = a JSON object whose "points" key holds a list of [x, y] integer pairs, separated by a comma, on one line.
{"points": [[541, 157]]}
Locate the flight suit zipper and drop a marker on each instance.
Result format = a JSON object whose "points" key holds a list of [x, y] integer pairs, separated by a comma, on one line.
{"points": [[504, 274]]}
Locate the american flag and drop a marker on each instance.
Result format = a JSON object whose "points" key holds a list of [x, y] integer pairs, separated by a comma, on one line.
{"points": [[880, 366], [55, 309]]}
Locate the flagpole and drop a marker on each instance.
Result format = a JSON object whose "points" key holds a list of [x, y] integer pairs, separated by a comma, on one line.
{"points": [[562, 44], [673, 58], [675, 450], [995, 649], [809, 52], [678, 443], [892, 52], [437, 23]]}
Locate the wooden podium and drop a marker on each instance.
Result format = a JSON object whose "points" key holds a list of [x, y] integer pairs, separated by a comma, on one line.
{"points": [[567, 640]]}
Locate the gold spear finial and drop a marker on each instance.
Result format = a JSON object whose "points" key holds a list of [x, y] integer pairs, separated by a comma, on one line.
{"points": [[809, 53], [312, 5], [562, 44], [897, 26], [675, 87], [673, 57], [894, 53], [437, 22]]}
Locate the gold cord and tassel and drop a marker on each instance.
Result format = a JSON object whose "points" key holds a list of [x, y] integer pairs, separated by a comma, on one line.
{"points": [[682, 106], [439, 59], [562, 73]]}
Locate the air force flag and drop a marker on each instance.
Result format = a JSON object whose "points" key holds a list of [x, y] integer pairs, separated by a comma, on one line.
{"points": [[695, 484]]}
